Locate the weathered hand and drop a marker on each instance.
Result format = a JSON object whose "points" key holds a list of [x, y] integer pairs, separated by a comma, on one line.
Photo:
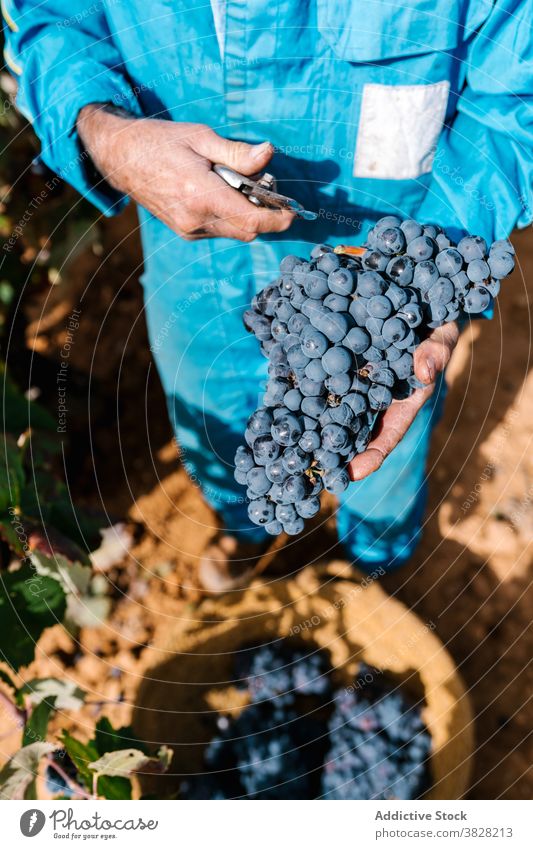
{"points": [[167, 168], [431, 357]]}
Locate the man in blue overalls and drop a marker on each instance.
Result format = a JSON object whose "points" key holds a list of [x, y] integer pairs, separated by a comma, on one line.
{"points": [[424, 110]]}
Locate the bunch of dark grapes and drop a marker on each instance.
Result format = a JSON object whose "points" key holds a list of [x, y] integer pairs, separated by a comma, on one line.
{"points": [[282, 745], [380, 747], [282, 672], [340, 331], [276, 747], [269, 752]]}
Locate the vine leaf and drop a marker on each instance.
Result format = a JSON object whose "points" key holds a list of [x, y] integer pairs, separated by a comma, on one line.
{"points": [[37, 725], [82, 754], [67, 694], [19, 413], [109, 739], [74, 577], [12, 476], [9, 525], [29, 603], [17, 778], [126, 762]]}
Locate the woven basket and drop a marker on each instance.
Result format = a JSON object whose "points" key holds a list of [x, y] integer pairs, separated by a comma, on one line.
{"points": [[353, 620]]}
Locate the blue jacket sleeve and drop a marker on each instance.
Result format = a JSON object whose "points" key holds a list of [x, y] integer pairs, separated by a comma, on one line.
{"points": [[63, 57], [482, 179]]}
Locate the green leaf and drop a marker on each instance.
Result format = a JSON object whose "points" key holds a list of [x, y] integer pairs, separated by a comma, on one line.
{"points": [[6, 293], [48, 500], [15, 541], [67, 694], [73, 577], [125, 762], [19, 413], [46, 540], [11, 474], [41, 446], [17, 693], [25, 535], [109, 739], [19, 773], [29, 603], [82, 754], [36, 727]]}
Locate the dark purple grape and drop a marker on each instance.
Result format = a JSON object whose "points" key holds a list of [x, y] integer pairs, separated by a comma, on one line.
{"points": [[339, 335]]}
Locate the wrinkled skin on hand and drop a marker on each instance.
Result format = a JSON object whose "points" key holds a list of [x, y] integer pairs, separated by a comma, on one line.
{"points": [[166, 167]]}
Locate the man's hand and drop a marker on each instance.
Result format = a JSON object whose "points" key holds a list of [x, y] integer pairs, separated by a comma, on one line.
{"points": [[166, 167], [431, 357]]}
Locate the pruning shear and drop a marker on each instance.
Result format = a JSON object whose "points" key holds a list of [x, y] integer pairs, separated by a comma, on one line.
{"points": [[261, 190]]}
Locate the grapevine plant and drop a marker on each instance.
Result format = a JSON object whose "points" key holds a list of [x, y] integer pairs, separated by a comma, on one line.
{"points": [[45, 539], [102, 767]]}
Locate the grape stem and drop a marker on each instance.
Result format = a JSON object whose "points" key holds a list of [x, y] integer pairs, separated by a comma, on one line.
{"points": [[351, 250], [312, 471]]}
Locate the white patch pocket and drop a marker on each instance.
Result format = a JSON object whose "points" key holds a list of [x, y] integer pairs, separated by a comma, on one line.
{"points": [[398, 130]]}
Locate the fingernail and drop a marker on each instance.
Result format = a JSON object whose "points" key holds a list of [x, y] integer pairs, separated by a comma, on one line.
{"points": [[432, 369], [261, 149]]}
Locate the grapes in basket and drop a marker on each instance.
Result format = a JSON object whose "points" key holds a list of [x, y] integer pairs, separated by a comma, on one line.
{"points": [[304, 737]]}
